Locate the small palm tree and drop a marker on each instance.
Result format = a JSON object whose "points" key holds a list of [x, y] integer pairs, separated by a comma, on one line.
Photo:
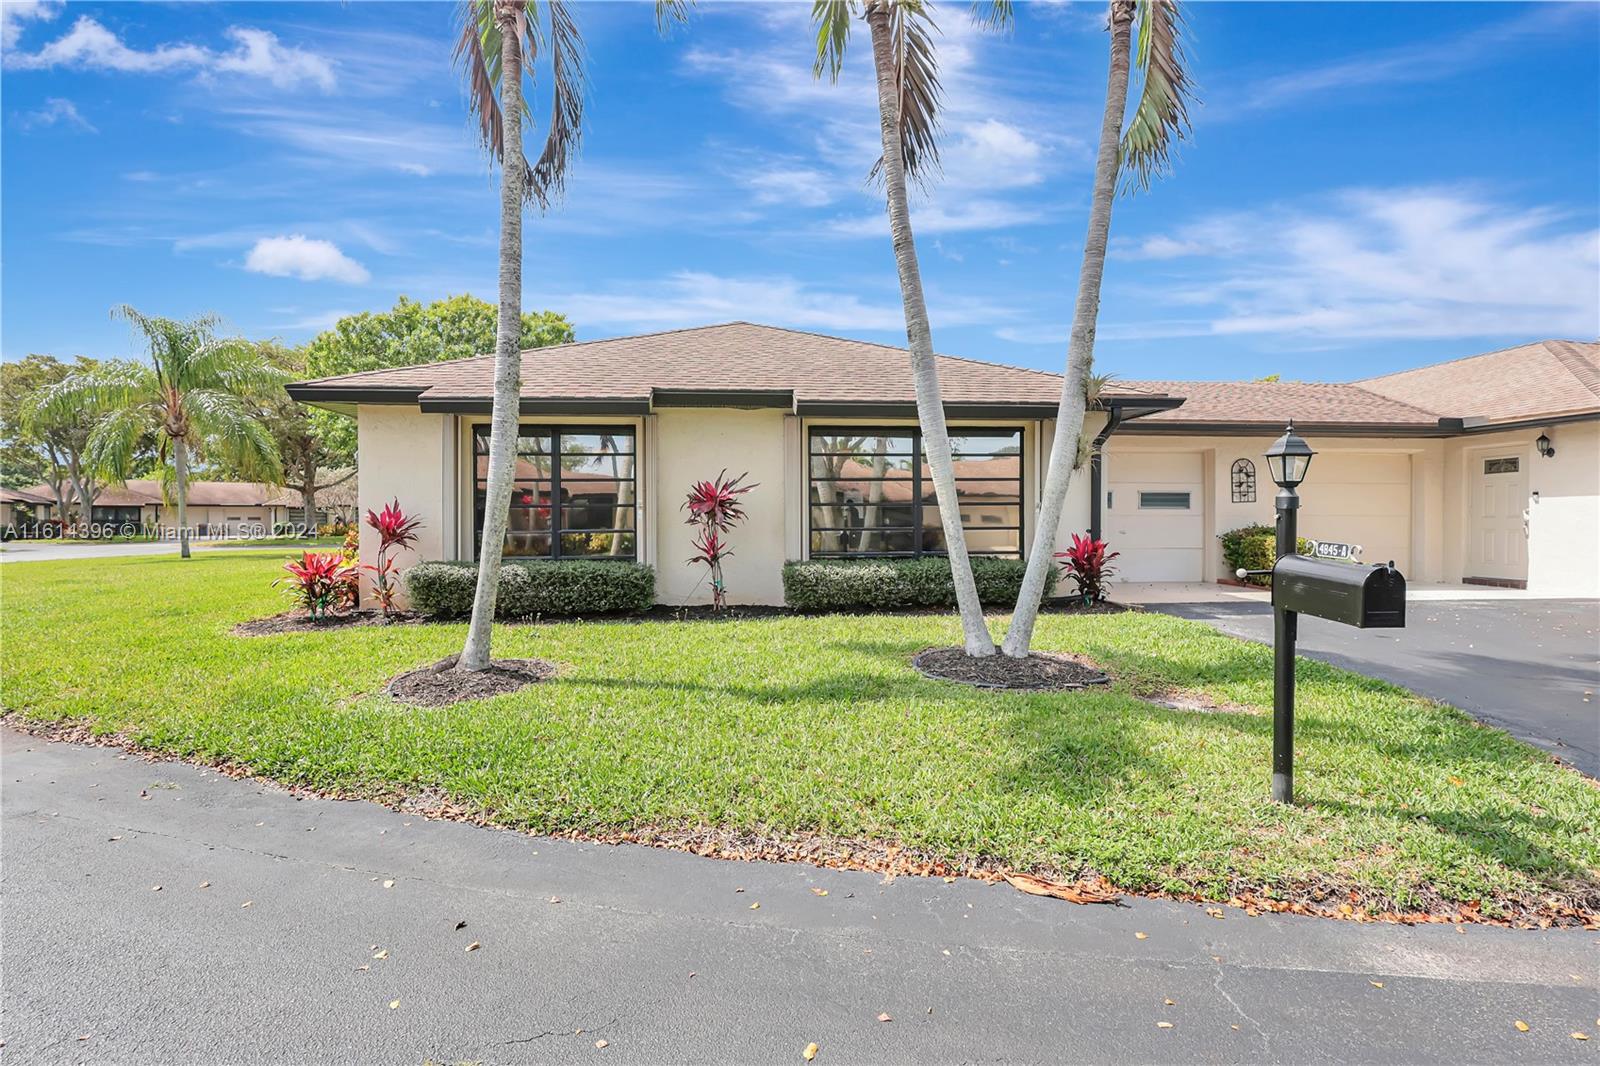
{"points": [[906, 65], [195, 395], [496, 37], [1160, 120]]}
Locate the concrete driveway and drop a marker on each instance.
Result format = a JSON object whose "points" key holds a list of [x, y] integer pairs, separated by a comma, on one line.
{"points": [[312, 931], [1529, 666]]}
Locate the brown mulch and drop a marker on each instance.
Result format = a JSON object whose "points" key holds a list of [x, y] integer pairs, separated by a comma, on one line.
{"points": [[300, 622], [1576, 907], [440, 684], [1039, 672]]}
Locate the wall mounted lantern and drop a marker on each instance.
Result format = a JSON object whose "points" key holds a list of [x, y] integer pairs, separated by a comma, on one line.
{"points": [[1546, 449]]}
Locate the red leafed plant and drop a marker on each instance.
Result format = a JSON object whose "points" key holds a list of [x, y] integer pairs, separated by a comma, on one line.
{"points": [[715, 507], [1088, 564], [321, 582], [396, 529]]}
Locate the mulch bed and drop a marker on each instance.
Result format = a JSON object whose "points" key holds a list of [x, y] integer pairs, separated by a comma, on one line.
{"points": [[440, 684], [1039, 672], [300, 622]]}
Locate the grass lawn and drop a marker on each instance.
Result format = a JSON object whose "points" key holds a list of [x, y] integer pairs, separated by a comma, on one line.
{"points": [[789, 726]]}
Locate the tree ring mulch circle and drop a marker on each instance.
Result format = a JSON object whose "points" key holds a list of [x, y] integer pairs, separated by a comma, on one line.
{"points": [[1040, 672], [300, 622], [440, 684]]}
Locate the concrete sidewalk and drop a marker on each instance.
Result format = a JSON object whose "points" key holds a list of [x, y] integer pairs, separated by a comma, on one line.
{"points": [[290, 930]]}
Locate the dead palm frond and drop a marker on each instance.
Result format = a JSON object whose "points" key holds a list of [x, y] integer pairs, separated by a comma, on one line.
{"points": [[1161, 118]]}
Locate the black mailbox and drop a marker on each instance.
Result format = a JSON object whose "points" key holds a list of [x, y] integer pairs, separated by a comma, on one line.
{"points": [[1368, 597]]}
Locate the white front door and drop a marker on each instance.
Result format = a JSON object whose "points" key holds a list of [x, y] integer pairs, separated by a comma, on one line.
{"points": [[1497, 531], [1155, 515]]}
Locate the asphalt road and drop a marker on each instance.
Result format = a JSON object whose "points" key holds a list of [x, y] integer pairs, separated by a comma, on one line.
{"points": [[1531, 667], [662, 956]]}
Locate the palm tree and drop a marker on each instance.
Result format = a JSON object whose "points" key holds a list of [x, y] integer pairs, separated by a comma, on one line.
{"points": [[908, 110], [1158, 123], [195, 396], [496, 35]]}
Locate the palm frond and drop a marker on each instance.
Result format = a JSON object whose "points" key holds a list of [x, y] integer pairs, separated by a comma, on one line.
{"points": [[994, 15], [477, 56], [918, 90], [226, 427], [832, 19], [112, 385], [567, 89], [670, 13], [1161, 118], [234, 365], [114, 442]]}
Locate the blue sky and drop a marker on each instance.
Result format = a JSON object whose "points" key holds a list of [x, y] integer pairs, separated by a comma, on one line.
{"points": [[1370, 186]]}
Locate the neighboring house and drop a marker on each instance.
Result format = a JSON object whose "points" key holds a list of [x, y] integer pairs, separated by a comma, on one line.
{"points": [[24, 506], [215, 508], [615, 431]]}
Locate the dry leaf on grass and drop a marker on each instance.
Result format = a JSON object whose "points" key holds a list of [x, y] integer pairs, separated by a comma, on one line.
{"points": [[1072, 893], [810, 1052], [1580, 1036]]}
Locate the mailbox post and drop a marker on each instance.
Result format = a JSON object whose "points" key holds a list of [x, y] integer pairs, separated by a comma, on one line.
{"points": [[1287, 459], [1367, 597]]}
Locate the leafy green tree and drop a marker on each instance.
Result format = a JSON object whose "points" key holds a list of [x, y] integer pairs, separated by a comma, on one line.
{"points": [[408, 334], [500, 42], [197, 394], [46, 447]]}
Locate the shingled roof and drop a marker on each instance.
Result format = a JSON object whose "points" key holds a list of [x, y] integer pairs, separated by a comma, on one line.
{"points": [[737, 364], [139, 492], [1531, 382]]}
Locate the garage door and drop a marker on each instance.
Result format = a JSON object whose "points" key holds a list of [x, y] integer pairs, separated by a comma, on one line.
{"points": [[1155, 515], [1360, 498]]}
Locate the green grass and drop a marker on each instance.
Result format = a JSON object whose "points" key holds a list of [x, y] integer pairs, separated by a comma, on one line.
{"points": [[274, 542], [798, 725]]}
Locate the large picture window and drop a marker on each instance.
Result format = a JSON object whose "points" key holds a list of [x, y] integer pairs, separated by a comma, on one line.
{"points": [[574, 494], [871, 493]]}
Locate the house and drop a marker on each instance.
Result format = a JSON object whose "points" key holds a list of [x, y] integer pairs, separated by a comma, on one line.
{"points": [[24, 506], [614, 431], [214, 508]]}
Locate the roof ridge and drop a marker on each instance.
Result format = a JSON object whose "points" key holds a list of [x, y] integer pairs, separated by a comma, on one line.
{"points": [[1576, 364], [1459, 359]]}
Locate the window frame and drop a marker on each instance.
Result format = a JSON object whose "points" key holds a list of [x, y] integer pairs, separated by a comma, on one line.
{"points": [[921, 487], [556, 431], [1171, 494]]}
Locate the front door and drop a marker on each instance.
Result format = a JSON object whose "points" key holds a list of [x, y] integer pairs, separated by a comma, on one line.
{"points": [[1497, 538]]}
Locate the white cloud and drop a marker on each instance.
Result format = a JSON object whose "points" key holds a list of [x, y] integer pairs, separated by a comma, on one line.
{"points": [[88, 45], [962, 216], [13, 13], [1409, 262], [260, 55], [305, 258], [695, 298], [56, 111], [800, 186]]}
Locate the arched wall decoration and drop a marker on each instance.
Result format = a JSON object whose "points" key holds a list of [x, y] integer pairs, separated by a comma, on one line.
{"points": [[1244, 481]]}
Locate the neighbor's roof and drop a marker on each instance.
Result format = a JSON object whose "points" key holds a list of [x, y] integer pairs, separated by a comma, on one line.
{"points": [[732, 365], [1528, 383], [1536, 380], [25, 496], [138, 492]]}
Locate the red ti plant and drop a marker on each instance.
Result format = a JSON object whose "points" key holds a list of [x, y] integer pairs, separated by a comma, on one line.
{"points": [[396, 529], [321, 582], [1088, 564], [715, 507]]}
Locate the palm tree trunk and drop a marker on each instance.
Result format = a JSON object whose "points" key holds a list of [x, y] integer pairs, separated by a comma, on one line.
{"points": [[919, 337], [1080, 347], [180, 466], [507, 355]]}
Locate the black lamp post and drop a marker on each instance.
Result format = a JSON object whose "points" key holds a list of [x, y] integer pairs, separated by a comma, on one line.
{"points": [[1288, 458]]}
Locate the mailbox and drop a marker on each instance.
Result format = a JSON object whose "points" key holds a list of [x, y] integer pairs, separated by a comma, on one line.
{"points": [[1368, 597]]}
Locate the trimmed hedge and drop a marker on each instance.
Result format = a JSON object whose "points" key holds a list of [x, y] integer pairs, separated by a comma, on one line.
{"points": [[864, 584], [568, 587], [1254, 548]]}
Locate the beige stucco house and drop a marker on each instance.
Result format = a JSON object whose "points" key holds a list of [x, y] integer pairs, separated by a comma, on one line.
{"points": [[214, 508], [1438, 469], [21, 506]]}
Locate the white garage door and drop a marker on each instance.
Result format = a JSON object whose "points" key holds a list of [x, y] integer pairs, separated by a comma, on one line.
{"points": [[1360, 498], [1155, 515]]}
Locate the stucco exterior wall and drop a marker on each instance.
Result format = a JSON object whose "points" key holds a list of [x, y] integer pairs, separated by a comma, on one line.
{"points": [[1563, 505], [409, 456]]}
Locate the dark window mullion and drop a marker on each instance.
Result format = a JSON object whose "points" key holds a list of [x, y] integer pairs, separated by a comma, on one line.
{"points": [[555, 494]]}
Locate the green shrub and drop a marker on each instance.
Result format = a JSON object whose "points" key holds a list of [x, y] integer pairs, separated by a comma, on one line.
{"points": [[1254, 548], [527, 590], [862, 584]]}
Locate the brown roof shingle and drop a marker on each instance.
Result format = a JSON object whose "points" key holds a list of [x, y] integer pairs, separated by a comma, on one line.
{"points": [[1536, 380], [139, 492]]}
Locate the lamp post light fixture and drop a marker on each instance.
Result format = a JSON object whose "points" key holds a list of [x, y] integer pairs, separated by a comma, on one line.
{"points": [[1288, 459], [1546, 449]]}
